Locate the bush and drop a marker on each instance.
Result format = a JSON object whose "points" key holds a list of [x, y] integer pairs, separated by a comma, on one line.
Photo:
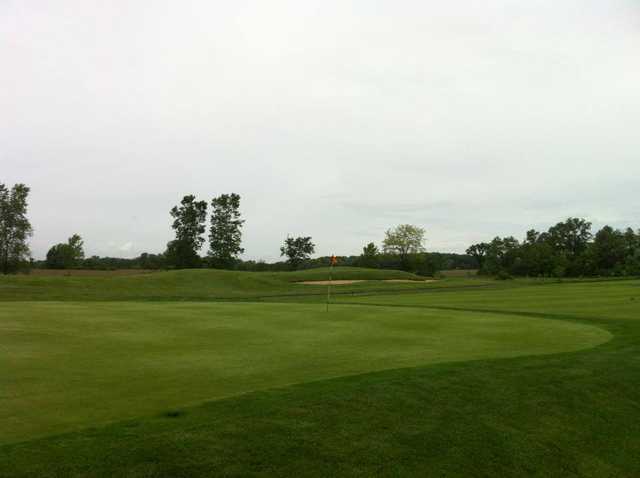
{"points": [[504, 275]]}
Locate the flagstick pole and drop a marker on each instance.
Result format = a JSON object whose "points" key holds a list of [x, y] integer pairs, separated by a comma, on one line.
{"points": [[329, 285]]}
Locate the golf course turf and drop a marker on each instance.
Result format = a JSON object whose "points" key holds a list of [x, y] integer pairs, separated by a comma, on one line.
{"points": [[450, 379]]}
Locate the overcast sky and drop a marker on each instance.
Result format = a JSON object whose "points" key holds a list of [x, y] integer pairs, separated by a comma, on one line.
{"points": [[334, 119]]}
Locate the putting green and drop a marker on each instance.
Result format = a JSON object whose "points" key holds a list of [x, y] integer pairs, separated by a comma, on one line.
{"points": [[74, 365]]}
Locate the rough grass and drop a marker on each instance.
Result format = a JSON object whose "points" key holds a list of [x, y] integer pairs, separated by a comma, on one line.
{"points": [[458, 273], [89, 272], [200, 284], [565, 414]]}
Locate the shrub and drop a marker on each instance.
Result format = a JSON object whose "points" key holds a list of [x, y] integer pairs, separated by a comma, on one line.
{"points": [[503, 275]]}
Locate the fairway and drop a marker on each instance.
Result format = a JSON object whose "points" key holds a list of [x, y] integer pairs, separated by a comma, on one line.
{"points": [[462, 377], [76, 365]]}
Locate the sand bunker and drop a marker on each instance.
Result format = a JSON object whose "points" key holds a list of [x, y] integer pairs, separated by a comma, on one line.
{"points": [[326, 282], [408, 280], [345, 282]]}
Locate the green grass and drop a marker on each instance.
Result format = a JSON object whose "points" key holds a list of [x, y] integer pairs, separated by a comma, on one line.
{"points": [[146, 358], [597, 301], [507, 379], [201, 284]]}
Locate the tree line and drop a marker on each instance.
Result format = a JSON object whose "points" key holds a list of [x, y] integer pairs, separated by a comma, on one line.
{"points": [[427, 263], [567, 249], [402, 247], [224, 238]]}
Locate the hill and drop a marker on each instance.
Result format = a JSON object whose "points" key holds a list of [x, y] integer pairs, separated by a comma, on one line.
{"points": [[196, 284]]}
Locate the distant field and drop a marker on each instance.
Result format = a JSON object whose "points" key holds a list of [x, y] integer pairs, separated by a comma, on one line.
{"points": [[149, 376], [88, 272]]}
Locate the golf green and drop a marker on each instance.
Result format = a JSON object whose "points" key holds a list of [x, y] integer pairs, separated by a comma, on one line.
{"points": [[75, 365]]}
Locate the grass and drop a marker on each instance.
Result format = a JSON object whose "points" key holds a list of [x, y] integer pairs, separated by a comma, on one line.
{"points": [[146, 358], [591, 301], [507, 379], [89, 272], [201, 284], [458, 273]]}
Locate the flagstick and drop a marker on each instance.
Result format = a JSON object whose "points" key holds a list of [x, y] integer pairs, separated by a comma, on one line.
{"points": [[329, 285]]}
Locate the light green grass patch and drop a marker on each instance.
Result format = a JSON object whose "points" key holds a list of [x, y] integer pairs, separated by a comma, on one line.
{"points": [[74, 365]]}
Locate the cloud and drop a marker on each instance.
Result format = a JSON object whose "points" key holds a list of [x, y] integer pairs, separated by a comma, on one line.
{"points": [[126, 247], [335, 119]]}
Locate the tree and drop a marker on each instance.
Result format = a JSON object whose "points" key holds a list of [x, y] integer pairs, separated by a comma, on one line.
{"points": [[297, 250], [569, 240], [532, 237], [570, 236], [609, 250], [77, 244], [181, 255], [15, 228], [225, 233], [478, 252], [538, 259], [500, 255], [65, 256], [404, 240], [189, 220], [150, 261], [632, 253], [369, 256], [566, 249]]}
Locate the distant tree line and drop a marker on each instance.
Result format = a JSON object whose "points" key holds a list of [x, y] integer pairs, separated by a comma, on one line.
{"points": [[402, 247], [426, 263], [568, 249], [143, 261]]}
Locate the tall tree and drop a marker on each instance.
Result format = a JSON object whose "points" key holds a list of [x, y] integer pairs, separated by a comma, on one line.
{"points": [[570, 240], [404, 240], [609, 250], [369, 256], [77, 244], [66, 255], [297, 250], [225, 233], [189, 225], [15, 228], [632, 255], [571, 236]]}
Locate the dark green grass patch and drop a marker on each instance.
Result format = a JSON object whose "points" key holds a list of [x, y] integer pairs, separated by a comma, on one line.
{"points": [[560, 415], [566, 414]]}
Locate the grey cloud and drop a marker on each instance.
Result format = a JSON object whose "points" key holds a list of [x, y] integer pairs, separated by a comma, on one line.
{"points": [[335, 119]]}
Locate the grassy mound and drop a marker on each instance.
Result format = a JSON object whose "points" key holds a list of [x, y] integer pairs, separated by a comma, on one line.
{"points": [[194, 284], [348, 273]]}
